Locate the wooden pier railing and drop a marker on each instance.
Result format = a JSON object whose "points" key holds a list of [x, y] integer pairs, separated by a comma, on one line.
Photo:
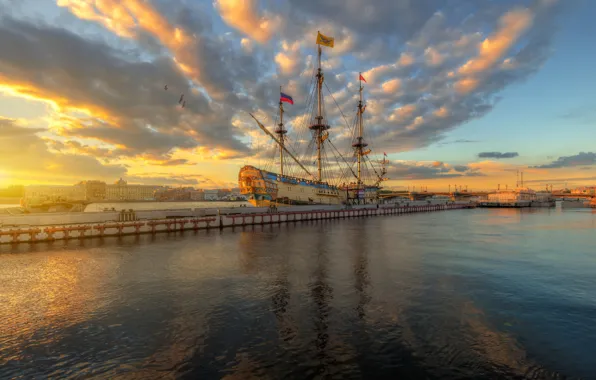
{"points": [[13, 235]]}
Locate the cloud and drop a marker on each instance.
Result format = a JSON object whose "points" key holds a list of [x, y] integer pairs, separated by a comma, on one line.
{"points": [[511, 26], [207, 60], [288, 60], [174, 162], [433, 57], [458, 141], [584, 114], [498, 155], [404, 18], [242, 15], [490, 166], [405, 59], [431, 66], [123, 101], [391, 85], [193, 180], [413, 170], [560, 180], [580, 159], [10, 128], [25, 154]]}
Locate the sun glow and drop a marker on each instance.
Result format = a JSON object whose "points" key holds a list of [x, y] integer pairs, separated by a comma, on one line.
{"points": [[4, 179]]}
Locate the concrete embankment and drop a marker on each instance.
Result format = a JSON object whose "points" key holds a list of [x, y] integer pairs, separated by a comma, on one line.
{"points": [[49, 227]]}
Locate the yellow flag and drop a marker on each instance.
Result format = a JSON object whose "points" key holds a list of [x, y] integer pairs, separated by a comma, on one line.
{"points": [[324, 40]]}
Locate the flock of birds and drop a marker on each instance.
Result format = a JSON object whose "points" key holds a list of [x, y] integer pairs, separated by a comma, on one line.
{"points": [[182, 102]]}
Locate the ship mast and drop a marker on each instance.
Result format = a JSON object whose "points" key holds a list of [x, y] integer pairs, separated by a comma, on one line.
{"points": [[280, 131], [264, 129], [360, 144], [319, 114], [319, 127]]}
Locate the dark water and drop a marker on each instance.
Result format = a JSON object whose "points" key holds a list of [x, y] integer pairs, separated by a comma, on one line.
{"points": [[457, 294]]}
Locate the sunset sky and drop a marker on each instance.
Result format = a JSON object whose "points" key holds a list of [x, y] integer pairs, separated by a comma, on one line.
{"points": [[458, 91]]}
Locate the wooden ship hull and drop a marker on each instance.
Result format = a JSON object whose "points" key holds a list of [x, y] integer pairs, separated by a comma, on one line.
{"points": [[263, 188]]}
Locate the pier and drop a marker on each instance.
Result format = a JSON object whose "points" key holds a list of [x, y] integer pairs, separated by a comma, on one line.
{"points": [[99, 225]]}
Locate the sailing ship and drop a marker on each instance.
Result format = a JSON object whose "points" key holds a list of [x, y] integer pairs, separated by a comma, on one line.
{"points": [[335, 180]]}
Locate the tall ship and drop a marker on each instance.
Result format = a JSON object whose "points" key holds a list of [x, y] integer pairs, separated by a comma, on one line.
{"points": [[317, 172]]}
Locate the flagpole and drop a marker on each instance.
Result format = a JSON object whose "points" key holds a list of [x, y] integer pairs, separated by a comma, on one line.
{"points": [[281, 134]]}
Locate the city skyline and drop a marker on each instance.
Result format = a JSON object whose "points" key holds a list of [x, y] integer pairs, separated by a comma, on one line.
{"points": [[456, 93]]}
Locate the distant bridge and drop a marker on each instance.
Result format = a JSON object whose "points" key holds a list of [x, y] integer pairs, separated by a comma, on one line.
{"points": [[428, 194], [565, 195]]}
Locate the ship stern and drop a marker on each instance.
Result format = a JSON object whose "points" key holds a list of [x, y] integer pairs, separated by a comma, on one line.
{"points": [[254, 187]]}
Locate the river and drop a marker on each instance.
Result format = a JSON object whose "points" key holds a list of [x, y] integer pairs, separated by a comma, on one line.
{"points": [[485, 293]]}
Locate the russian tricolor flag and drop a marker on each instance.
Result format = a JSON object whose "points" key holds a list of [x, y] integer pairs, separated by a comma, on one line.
{"points": [[285, 98]]}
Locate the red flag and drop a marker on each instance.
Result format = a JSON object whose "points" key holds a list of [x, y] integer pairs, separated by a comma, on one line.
{"points": [[362, 78], [384, 153]]}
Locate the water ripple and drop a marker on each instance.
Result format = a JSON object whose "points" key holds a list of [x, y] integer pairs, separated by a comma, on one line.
{"points": [[508, 296]]}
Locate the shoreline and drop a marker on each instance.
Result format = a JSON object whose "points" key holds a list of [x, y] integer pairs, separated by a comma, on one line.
{"points": [[10, 201], [154, 201]]}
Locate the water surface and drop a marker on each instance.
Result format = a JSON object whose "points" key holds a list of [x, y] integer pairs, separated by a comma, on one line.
{"points": [[456, 294]]}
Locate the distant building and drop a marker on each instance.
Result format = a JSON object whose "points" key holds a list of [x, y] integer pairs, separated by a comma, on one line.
{"points": [[222, 193], [51, 193], [211, 195], [122, 191], [180, 194], [94, 190], [508, 196], [197, 195]]}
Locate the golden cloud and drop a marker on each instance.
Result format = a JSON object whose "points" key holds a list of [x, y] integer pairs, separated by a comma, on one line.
{"points": [[113, 15], [512, 25], [391, 86], [243, 16], [184, 47], [61, 104], [287, 64], [403, 112], [405, 59], [441, 112]]}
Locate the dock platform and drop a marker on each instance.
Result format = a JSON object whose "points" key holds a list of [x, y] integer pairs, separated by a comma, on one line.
{"points": [[129, 223]]}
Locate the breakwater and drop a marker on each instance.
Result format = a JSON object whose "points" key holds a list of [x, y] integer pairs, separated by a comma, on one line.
{"points": [[79, 226]]}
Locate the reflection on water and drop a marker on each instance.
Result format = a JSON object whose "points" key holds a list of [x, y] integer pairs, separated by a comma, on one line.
{"points": [[459, 294]]}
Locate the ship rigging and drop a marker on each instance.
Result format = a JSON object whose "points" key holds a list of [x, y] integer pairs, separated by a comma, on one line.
{"points": [[333, 179]]}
